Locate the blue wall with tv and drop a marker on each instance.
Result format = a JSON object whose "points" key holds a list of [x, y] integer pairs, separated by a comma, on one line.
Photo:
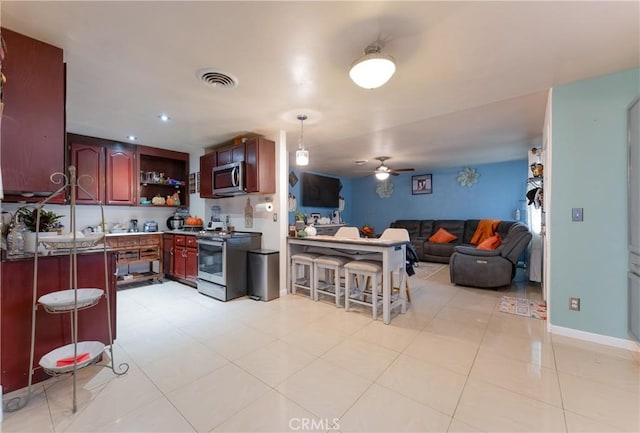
{"points": [[501, 189]]}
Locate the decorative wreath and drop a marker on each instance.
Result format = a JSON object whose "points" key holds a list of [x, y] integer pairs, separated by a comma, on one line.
{"points": [[468, 177]]}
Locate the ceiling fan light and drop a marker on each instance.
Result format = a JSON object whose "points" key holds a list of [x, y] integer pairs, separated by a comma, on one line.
{"points": [[382, 175], [302, 157], [373, 69]]}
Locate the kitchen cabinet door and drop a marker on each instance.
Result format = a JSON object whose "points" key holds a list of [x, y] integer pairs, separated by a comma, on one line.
{"points": [[207, 162], [180, 262], [168, 253], [260, 165], [120, 180], [33, 121], [90, 163], [233, 153], [191, 264]]}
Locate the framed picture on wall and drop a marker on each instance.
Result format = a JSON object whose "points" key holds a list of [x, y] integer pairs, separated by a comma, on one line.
{"points": [[421, 184]]}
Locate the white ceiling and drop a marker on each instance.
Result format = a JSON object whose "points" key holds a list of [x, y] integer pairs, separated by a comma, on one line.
{"points": [[470, 87]]}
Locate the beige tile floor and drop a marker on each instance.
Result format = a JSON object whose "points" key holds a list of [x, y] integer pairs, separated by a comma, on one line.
{"points": [[452, 363]]}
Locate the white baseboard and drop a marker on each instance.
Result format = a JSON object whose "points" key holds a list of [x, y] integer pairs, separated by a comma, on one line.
{"points": [[621, 343]]}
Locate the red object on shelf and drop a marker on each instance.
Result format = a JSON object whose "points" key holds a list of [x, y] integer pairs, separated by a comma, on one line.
{"points": [[69, 360]]}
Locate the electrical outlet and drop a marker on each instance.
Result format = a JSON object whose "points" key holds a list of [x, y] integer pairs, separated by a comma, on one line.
{"points": [[574, 304]]}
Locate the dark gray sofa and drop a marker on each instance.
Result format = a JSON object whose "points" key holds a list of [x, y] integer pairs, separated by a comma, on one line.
{"points": [[469, 266], [421, 230]]}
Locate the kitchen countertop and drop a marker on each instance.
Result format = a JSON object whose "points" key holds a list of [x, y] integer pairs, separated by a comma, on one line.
{"points": [[181, 232]]}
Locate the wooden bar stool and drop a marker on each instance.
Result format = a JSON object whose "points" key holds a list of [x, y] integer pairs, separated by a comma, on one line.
{"points": [[357, 275], [302, 276], [331, 268]]}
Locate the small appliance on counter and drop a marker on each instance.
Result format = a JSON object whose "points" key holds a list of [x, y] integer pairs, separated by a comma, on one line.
{"points": [[215, 223], [176, 222], [133, 226], [150, 226]]}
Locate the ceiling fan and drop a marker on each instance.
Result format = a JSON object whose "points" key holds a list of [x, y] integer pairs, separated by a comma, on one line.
{"points": [[383, 171]]}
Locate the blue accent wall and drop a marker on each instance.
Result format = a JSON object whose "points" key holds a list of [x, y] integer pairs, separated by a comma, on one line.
{"points": [[589, 170], [296, 190], [500, 190]]}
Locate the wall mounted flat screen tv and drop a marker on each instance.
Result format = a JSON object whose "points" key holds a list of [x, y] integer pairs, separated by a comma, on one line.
{"points": [[320, 191]]}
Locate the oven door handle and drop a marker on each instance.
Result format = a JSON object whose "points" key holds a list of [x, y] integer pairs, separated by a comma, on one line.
{"points": [[212, 243]]}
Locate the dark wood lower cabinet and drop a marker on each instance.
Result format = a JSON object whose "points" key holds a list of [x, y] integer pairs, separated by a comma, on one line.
{"points": [[181, 258], [52, 330]]}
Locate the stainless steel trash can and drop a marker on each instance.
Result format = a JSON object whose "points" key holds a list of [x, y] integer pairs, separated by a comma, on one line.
{"points": [[264, 281]]}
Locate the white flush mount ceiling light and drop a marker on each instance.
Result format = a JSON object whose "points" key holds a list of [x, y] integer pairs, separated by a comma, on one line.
{"points": [[373, 69], [132, 137], [164, 117], [302, 155]]}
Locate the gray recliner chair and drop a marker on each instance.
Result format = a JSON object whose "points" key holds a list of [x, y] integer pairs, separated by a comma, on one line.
{"points": [[469, 266]]}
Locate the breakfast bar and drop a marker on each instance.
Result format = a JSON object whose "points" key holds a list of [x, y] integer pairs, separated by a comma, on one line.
{"points": [[393, 253]]}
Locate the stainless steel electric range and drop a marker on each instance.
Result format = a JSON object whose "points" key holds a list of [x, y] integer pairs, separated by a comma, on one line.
{"points": [[222, 262]]}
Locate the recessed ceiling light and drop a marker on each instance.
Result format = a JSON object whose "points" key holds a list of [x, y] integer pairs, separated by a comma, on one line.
{"points": [[164, 117], [132, 137], [361, 162]]}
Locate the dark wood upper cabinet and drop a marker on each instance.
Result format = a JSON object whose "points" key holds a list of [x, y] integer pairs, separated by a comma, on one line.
{"points": [[120, 180], [111, 166], [260, 165], [33, 121], [207, 162], [90, 165], [229, 154], [259, 156]]}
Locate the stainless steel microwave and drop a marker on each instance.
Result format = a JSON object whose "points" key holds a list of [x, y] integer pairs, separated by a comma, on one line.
{"points": [[229, 179]]}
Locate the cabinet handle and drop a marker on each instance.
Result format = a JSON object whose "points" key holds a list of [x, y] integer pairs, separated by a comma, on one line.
{"points": [[171, 251]]}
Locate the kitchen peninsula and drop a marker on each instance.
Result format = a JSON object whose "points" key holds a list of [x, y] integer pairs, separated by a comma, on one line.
{"points": [[393, 254]]}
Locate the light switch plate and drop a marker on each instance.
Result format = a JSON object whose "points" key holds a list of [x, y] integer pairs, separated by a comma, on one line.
{"points": [[576, 214]]}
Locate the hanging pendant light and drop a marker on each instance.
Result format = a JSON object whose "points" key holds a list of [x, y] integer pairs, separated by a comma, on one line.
{"points": [[302, 155], [373, 69]]}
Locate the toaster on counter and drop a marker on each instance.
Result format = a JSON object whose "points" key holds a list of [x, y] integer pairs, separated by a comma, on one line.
{"points": [[150, 226]]}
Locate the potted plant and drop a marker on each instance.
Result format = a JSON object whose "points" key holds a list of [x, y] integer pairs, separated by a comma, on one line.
{"points": [[49, 225], [300, 220], [49, 221]]}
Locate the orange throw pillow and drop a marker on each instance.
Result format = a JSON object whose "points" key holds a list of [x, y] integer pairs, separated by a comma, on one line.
{"points": [[442, 237], [485, 229], [491, 243]]}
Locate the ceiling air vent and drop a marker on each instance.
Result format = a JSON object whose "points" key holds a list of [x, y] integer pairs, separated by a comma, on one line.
{"points": [[213, 78]]}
